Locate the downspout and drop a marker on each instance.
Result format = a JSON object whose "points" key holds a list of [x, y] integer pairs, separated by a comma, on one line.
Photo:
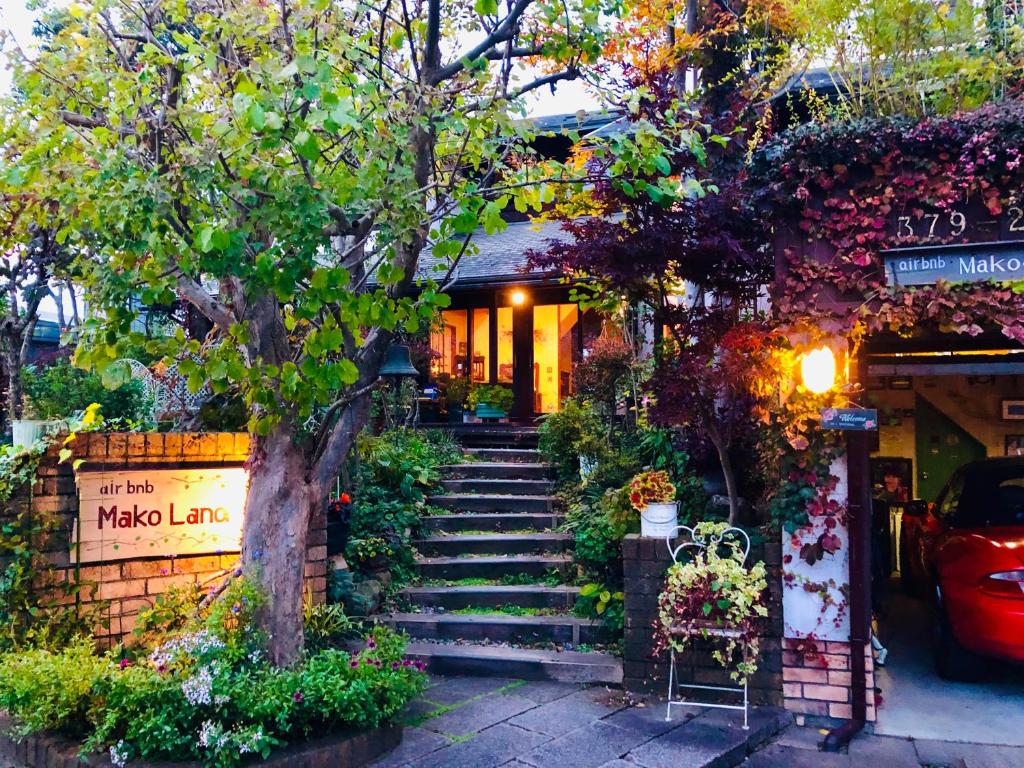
{"points": [[859, 521]]}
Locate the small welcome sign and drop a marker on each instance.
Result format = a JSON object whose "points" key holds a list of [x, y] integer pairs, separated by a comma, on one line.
{"points": [[850, 419], [158, 513]]}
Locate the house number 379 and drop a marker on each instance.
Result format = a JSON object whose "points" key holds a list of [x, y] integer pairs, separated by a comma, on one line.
{"points": [[925, 227]]}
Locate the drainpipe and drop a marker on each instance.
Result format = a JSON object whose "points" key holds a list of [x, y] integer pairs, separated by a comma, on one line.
{"points": [[859, 521]]}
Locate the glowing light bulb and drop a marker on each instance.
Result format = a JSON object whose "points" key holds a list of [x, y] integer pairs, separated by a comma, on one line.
{"points": [[818, 370], [518, 298]]}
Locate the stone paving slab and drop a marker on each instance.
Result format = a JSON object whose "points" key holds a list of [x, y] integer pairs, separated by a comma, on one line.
{"points": [[416, 742], [543, 691], [478, 715], [492, 747], [455, 689], [777, 756], [592, 745], [695, 745], [955, 755], [888, 751], [566, 714]]}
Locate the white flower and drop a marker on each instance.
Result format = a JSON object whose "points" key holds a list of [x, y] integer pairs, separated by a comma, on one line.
{"points": [[119, 754], [198, 689]]}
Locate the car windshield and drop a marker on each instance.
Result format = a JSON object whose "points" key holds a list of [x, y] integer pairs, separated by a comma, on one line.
{"points": [[993, 495]]}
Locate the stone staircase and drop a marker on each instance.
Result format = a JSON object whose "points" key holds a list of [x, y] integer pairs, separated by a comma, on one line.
{"points": [[495, 595]]}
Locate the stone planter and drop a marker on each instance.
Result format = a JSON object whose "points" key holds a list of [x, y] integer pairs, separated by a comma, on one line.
{"points": [[350, 749], [659, 519]]}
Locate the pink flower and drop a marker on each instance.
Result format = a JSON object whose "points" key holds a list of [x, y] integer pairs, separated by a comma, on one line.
{"points": [[297, 697], [125, 663]]}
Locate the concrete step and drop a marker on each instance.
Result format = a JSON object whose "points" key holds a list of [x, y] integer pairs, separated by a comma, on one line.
{"points": [[493, 544], [492, 485], [488, 502], [494, 521], [504, 455], [493, 567], [498, 628], [526, 595], [496, 470], [520, 663]]}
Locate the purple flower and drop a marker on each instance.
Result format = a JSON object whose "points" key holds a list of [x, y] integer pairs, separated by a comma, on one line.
{"points": [[354, 664], [370, 642], [297, 697], [124, 664], [395, 665]]}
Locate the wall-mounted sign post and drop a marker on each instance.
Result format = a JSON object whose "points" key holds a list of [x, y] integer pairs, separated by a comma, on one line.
{"points": [[159, 513], [850, 419]]}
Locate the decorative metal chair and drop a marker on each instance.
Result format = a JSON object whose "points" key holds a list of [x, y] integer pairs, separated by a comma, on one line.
{"points": [[700, 543]]}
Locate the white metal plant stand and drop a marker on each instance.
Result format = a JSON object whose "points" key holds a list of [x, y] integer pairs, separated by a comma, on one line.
{"points": [[700, 542]]}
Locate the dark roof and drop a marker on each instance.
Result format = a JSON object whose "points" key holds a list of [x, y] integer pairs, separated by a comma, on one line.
{"points": [[581, 121], [501, 257]]}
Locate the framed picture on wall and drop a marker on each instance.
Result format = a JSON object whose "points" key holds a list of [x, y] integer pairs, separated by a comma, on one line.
{"points": [[1013, 410], [892, 478], [1014, 445]]}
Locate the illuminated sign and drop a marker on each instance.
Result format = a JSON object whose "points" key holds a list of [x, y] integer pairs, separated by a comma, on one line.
{"points": [[997, 262], [158, 513]]}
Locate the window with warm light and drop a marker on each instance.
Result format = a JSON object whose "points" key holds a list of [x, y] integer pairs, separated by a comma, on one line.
{"points": [[480, 365]]}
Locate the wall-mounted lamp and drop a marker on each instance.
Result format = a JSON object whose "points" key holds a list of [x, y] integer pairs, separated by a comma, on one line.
{"points": [[518, 298], [818, 370]]}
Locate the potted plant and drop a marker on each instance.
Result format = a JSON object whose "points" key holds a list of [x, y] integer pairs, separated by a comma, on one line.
{"points": [[372, 553], [491, 401], [455, 395], [714, 596], [589, 447], [652, 494]]}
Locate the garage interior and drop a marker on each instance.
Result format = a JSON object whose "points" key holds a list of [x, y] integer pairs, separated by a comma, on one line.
{"points": [[937, 411]]}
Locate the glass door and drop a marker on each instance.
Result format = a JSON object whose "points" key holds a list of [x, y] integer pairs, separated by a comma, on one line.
{"points": [[554, 350]]}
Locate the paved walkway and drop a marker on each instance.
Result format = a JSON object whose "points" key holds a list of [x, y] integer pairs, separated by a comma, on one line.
{"points": [[478, 722], [798, 748], [482, 722]]}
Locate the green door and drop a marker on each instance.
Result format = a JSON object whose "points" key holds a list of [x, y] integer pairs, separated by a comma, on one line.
{"points": [[942, 446]]}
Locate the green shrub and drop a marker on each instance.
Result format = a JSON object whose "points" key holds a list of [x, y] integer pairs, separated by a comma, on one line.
{"points": [[562, 434], [60, 390], [44, 690], [208, 693]]}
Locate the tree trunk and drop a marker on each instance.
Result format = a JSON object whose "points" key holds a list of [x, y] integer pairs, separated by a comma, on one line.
{"points": [[15, 393], [728, 472], [277, 513]]}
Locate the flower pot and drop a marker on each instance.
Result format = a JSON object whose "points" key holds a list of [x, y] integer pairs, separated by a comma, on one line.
{"points": [[659, 519], [468, 417], [587, 465], [455, 414], [27, 431], [484, 411]]}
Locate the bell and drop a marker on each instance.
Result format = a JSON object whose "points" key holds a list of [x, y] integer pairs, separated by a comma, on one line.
{"points": [[398, 362]]}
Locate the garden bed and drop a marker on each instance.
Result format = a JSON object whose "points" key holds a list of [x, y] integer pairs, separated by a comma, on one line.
{"points": [[351, 749]]}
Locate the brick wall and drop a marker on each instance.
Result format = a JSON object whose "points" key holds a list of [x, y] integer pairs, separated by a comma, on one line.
{"points": [[130, 585], [645, 561], [816, 678]]}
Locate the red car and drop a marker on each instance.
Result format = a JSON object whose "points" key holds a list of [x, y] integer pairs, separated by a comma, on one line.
{"points": [[966, 552]]}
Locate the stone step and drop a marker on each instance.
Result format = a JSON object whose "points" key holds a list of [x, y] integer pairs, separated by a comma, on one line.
{"points": [[493, 544], [487, 502], [503, 455], [495, 435], [493, 521], [495, 470], [519, 663], [491, 485], [526, 595], [498, 627], [493, 567]]}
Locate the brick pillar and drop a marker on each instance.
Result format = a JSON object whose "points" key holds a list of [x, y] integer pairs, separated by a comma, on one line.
{"points": [[644, 563]]}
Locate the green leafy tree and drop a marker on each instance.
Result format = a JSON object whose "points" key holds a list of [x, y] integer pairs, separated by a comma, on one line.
{"points": [[282, 167]]}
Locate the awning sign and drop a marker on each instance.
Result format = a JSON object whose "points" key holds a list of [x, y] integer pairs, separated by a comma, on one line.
{"points": [[996, 262], [850, 419], [158, 513]]}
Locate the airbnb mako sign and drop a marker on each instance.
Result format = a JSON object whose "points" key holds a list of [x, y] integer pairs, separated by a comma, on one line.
{"points": [[158, 513]]}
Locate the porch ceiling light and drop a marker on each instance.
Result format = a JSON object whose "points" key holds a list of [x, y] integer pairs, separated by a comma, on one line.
{"points": [[518, 298], [818, 370]]}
